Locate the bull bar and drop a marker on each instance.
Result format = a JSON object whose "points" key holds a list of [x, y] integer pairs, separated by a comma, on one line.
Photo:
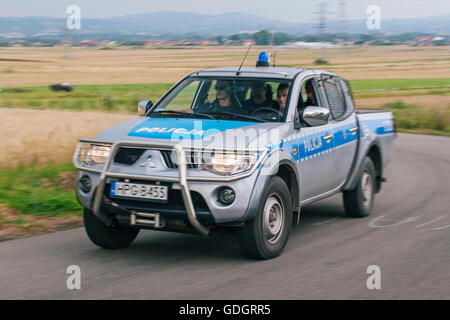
{"points": [[182, 179]]}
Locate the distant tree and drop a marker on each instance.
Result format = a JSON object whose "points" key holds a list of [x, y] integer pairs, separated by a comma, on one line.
{"points": [[281, 38], [310, 38], [366, 37], [262, 37]]}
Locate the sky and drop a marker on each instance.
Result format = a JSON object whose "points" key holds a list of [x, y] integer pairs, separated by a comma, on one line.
{"points": [[287, 10]]}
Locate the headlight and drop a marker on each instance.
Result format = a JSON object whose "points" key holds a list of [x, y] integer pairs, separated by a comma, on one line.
{"points": [[97, 155], [91, 154], [228, 163]]}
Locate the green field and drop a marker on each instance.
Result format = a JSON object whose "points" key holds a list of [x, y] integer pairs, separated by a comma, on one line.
{"points": [[399, 84], [111, 98], [124, 98]]}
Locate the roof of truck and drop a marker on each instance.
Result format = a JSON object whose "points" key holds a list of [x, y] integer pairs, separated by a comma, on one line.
{"points": [[260, 72]]}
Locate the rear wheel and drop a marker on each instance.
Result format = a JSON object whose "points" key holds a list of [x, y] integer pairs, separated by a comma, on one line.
{"points": [[359, 202], [107, 237], [265, 236]]}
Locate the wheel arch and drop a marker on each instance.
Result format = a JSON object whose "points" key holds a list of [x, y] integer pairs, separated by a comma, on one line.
{"points": [[280, 163], [374, 154], [373, 151], [289, 176]]}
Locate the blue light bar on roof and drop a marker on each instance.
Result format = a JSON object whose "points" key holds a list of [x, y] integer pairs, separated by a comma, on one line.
{"points": [[263, 60]]}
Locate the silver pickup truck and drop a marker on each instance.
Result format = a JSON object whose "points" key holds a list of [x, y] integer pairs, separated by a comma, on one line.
{"points": [[240, 149]]}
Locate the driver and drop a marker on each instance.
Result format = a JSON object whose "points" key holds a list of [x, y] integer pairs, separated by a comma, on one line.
{"points": [[223, 102], [261, 97]]}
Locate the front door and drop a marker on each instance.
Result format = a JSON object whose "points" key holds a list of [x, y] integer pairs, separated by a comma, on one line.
{"points": [[315, 161]]}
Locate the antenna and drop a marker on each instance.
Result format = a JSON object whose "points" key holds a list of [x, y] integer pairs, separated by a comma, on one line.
{"points": [[238, 72]]}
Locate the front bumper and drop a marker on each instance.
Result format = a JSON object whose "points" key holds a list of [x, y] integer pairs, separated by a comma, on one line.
{"points": [[183, 182]]}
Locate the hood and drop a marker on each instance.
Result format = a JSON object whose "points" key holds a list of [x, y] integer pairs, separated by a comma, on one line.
{"points": [[198, 132]]}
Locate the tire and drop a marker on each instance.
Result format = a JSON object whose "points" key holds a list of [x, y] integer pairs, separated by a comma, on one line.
{"points": [[260, 239], [115, 237], [359, 202]]}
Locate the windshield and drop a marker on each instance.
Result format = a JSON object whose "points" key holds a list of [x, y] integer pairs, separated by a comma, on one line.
{"points": [[259, 100]]}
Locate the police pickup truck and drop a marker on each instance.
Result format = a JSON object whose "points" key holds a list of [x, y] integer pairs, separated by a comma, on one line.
{"points": [[239, 149]]}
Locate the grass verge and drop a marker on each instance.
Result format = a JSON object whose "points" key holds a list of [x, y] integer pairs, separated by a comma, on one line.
{"points": [[40, 191], [416, 119]]}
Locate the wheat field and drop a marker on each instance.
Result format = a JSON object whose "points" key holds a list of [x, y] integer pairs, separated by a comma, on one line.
{"points": [[20, 66], [44, 136]]}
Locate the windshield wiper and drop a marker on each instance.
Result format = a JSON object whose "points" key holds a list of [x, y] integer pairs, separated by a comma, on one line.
{"points": [[182, 113], [236, 116]]}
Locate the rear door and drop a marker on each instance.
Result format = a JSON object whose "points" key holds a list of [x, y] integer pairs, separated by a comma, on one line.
{"points": [[344, 126]]}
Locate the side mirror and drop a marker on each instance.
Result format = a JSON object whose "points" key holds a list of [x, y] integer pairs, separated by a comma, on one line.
{"points": [[144, 106], [316, 116]]}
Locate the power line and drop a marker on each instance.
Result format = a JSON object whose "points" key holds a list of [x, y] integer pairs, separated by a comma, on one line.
{"points": [[321, 18]]}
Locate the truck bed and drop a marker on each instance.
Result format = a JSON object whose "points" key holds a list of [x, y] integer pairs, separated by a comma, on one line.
{"points": [[364, 111]]}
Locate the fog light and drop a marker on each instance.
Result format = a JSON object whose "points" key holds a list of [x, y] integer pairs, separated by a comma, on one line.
{"points": [[226, 196], [85, 184]]}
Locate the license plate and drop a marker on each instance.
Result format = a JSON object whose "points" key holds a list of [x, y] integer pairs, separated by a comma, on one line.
{"points": [[136, 190]]}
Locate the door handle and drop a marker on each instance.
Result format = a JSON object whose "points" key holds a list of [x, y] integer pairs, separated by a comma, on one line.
{"points": [[353, 129], [328, 137]]}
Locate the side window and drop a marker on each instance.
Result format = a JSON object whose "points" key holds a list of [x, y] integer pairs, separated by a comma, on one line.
{"points": [[308, 95], [335, 98]]}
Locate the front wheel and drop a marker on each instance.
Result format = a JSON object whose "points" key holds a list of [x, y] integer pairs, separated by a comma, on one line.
{"points": [[265, 236], [359, 201], [107, 237]]}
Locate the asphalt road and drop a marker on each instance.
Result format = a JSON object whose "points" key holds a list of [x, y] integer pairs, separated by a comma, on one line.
{"points": [[407, 236]]}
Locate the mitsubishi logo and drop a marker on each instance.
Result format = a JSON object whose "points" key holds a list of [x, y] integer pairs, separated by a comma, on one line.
{"points": [[148, 162]]}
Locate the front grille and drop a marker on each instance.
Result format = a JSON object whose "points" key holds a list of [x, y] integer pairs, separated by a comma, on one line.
{"points": [[168, 159], [128, 156], [192, 159]]}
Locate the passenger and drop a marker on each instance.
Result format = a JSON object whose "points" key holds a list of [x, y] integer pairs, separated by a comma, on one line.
{"points": [[282, 94], [224, 101], [260, 97], [311, 100]]}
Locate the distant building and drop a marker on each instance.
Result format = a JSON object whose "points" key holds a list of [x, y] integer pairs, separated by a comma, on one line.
{"points": [[247, 42], [88, 43], [309, 45], [13, 35], [424, 38]]}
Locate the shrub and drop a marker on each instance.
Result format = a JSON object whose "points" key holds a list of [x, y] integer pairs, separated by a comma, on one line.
{"points": [[320, 61]]}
